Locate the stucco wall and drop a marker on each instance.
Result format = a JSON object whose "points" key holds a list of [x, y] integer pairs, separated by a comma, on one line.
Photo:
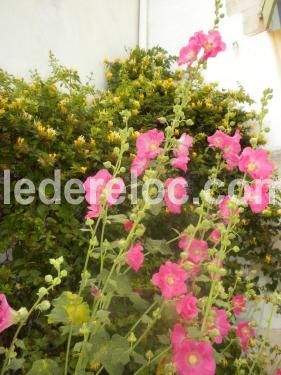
{"points": [[81, 33]]}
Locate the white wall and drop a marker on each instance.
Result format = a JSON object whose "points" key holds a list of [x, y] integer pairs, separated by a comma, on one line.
{"points": [[81, 33], [256, 63]]}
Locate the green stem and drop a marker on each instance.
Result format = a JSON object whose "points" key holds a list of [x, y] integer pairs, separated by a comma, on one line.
{"points": [[154, 360]]}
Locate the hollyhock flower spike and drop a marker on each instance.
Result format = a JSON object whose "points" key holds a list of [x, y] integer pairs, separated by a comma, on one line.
{"points": [[7, 314], [177, 336], [148, 144], [221, 324], [187, 307], [102, 186], [197, 250], [128, 225], [213, 45], [189, 54], [226, 209], [215, 236], [171, 280], [135, 256], [245, 333], [238, 304], [257, 195], [194, 358], [175, 194], [256, 163], [182, 152]]}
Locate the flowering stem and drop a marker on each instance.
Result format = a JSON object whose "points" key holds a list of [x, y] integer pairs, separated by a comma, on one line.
{"points": [[20, 326]]}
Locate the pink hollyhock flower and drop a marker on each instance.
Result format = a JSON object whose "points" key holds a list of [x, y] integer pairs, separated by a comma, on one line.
{"points": [[278, 372], [232, 161], [225, 209], [194, 358], [197, 250], [102, 183], [215, 236], [187, 307], [139, 165], [244, 332], [128, 225], [148, 144], [180, 163], [177, 336], [230, 146], [213, 45], [221, 324], [171, 280], [188, 54], [175, 194], [256, 163], [238, 303], [257, 195], [7, 314], [182, 152], [135, 256]]}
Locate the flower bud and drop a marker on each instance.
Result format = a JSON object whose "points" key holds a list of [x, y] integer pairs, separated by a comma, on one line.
{"points": [[48, 279], [44, 305], [42, 292]]}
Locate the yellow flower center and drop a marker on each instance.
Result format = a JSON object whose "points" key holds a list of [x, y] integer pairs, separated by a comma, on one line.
{"points": [[192, 359], [153, 147], [208, 45], [251, 167], [170, 280]]}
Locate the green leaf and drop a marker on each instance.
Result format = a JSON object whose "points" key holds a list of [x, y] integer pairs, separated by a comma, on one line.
{"points": [[157, 246], [45, 367], [16, 364], [69, 308]]}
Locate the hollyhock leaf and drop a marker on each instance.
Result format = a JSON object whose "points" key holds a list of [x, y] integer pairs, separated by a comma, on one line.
{"points": [[155, 209], [103, 316], [139, 359], [163, 339], [45, 367], [69, 308], [157, 246], [16, 364]]}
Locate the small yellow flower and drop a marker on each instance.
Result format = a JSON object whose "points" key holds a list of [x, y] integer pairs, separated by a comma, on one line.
{"points": [[95, 366], [117, 99], [136, 104], [267, 259], [93, 142], [108, 75], [141, 96], [80, 141], [83, 170], [114, 137], [134, 112], [110, 124], [194, 154], [20, 141], [2, 111], [135, 135], [177, 132]]}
